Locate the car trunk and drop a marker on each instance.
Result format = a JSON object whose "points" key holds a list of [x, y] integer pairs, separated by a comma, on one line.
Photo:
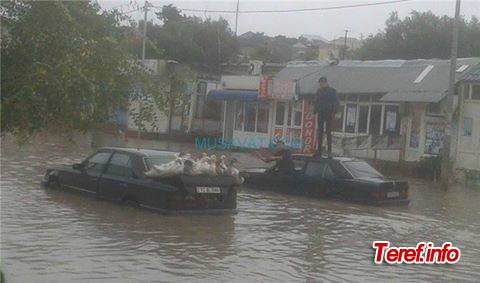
{"points": [[202, 192], [390, 190]]}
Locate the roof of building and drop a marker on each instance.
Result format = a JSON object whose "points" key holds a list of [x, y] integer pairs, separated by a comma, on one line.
{"points": [[472, 76], [403, 80]]}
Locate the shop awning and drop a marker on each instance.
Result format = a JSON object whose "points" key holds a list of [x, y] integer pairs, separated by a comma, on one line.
{"points": [[413, 96], [223, 94]]}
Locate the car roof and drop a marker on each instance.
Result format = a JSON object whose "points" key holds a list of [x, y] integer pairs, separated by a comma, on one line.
{"points": [[141, 151], [335, 158]]}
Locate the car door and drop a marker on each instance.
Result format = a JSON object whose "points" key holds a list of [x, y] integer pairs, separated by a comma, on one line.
{"points": [[91, 170], [314, 182], [115, 181]]}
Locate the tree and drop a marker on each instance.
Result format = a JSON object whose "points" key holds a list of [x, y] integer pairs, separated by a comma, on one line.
{"points": [[193, 41], [421, 35], [63, 68]]}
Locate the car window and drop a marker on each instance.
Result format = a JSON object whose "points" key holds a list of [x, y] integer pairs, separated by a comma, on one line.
{"points": [[315, 169], [97, 162], [158, 160], [120, 165], [361, 169], [328, 172]]}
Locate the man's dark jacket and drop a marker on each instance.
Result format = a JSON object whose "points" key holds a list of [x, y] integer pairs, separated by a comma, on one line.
{"points": [[326, 100]]}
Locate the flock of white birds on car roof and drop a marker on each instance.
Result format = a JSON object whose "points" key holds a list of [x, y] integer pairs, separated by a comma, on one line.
{"points": [[187, 164]]}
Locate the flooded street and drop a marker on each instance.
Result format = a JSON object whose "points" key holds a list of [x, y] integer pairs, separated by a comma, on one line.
{"points": [[56, 236]]}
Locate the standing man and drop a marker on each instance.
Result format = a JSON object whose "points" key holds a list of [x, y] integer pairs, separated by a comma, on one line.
{"points": [[326, 103]]}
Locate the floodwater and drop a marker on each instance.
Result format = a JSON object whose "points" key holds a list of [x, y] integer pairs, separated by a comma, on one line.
{"points": [[57, 236]]}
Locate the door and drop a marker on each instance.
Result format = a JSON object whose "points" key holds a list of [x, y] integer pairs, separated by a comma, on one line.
{"points": [[92, 169], [115, 182], [318, 179]]}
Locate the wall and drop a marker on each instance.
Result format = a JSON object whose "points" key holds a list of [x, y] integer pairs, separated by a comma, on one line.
{"points": [[468, 146]]}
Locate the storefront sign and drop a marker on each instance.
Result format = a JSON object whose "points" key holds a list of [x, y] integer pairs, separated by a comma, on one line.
{"points": [[308, 130], [263, 88], [434, 138]]}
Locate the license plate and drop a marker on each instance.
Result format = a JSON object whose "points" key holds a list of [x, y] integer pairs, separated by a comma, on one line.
{"points": [[208, 190], [393, 194]]}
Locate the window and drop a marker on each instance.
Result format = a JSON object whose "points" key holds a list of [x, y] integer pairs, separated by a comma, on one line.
{"points": [[250, 116], [391, 119], [315, 169], [337, 125], [238, 116], [97, 162], [120, 165], [280, 114], [262, 118], [375, 119], [297, 114], [467, 126], [363, 119], [319, 169], [361, 169], [476, 92], [351, 118]]}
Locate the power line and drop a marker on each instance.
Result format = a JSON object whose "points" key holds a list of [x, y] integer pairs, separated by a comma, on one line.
{"points": [[293, 10]]}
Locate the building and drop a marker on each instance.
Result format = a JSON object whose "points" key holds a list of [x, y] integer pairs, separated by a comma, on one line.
{"points": [[390, 110], [468, 141]]}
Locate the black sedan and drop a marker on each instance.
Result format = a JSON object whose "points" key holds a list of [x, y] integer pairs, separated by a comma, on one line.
{"points": [[338, 177], [118, 174]]}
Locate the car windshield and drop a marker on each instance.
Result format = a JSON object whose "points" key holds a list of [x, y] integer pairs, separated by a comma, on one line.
{"points": [[158, 160], [361, 169]]}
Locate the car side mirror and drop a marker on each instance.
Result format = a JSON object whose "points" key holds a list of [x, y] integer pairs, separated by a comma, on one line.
{"points": [[78, 166]]}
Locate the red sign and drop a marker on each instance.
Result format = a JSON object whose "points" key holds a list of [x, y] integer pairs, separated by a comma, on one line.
{"points": [[263, 89], [308, 131]]}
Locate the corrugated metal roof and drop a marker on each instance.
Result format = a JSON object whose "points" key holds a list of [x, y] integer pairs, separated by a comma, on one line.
{"points": [[472, 76], [413, 96], [385, 76]]}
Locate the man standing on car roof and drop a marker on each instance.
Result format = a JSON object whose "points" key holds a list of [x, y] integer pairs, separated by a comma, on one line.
{"points": [[326, 103]]}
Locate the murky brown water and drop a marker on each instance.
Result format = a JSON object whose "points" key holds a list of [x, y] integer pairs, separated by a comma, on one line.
{"points": [[55, 236]]}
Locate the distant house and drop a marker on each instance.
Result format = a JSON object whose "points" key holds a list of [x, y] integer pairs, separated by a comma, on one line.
{"points": [[333, 48], [390, 110]]}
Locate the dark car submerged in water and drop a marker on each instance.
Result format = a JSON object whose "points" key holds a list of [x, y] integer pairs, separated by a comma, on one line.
{"points": [[118, 174], [338, 177]]}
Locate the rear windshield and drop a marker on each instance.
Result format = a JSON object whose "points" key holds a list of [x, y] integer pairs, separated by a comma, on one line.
{"points": [[361, 169], [158, 160]]}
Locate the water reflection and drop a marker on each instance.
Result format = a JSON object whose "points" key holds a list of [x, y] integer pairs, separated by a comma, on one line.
{"points": [[51, 235]]}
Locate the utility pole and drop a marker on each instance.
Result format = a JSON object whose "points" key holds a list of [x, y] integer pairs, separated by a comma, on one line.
{"points": [[448, 155], [344, 45], [236, 17], [145, 12]]}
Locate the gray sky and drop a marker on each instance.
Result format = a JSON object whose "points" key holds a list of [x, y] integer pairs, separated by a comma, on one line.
{"points": [[329, 23]]}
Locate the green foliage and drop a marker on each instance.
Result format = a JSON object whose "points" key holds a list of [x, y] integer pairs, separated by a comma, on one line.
{"points": [[161, 92], [421, 35], [189, 40], [63, 67]]}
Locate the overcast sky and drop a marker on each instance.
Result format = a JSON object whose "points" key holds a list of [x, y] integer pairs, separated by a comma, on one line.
{"points": [[328, 23]]}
